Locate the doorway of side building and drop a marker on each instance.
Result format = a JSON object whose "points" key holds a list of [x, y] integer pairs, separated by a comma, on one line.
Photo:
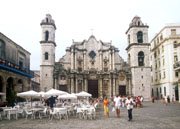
{"points": [[1, 88], [10, 93], [93, 88], [122, 90], [176, 93]]}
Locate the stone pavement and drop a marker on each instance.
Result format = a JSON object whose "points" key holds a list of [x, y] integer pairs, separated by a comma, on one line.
{"points": [[152, 116]]}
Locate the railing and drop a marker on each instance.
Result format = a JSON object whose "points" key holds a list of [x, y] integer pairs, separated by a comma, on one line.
{"points": [[15, 66], [177, 65]]}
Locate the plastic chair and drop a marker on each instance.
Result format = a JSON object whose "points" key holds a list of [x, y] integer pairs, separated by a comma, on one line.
{"points": [[91, 113], [43, 113], [28, 113]]}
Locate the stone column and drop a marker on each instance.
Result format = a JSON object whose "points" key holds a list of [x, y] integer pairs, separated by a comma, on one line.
{"points": [[68, 80], [75, 56], [26, 86], [100, 81], [130, 86], [110, 86], [72, 84], [86, 86], [84, 61], [101, 61], [72, 60], [56, 83], [114, 85], [4, 91], [179, 90], [110, 61], [113, 62], [77, 85]]}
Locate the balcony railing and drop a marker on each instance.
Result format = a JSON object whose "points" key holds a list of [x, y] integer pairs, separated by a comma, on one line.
{"points": [[15, 67], [177, 65]]}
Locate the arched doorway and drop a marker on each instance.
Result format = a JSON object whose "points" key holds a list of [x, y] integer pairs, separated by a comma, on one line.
{"points": [[1, 88], [176, 93], [10, 93], [122, 90]]}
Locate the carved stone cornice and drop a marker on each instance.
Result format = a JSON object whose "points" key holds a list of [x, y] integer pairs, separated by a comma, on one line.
{"points": [[137, 44], [42, 42]]}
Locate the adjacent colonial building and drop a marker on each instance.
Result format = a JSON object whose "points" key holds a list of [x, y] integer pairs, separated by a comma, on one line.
{"points": [[95, 66], [177, 69], [15, 74], [164, 55], [35, 82]]}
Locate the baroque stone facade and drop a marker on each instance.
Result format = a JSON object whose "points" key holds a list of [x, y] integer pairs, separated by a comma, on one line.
{"points": [[92, 66]]}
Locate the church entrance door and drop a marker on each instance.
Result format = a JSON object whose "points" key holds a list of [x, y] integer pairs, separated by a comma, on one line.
{"points": [[93, 88], [122, 90], [63, 88]]}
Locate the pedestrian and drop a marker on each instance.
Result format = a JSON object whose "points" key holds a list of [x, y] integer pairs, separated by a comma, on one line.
{"points": [[106, 108], [168, 99], [141, 101], [129, 105], [163, 100], [117, 101], [173, 99], [137, 102], [152, 99], [52, 101]]}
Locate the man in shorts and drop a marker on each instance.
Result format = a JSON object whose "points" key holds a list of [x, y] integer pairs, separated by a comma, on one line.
{"points": [[117, 104]]}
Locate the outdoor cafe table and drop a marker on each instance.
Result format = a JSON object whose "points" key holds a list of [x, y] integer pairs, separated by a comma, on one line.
{"points": [[10, 111], [83, 111], [35, 111], [60, 111]]}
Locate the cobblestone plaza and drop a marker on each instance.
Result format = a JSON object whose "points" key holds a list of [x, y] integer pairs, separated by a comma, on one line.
{"points": [[153, 116]]}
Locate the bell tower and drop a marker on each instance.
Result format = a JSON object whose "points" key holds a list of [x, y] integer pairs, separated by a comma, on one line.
{"points": [[138, 57], [47, 53]]}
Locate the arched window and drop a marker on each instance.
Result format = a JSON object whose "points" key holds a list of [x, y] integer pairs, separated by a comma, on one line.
{"points": [[139, 23], [129, 59], [46, 35], [46, 19], [141, 58], [46, 55], [164, 91], [152, 93], [140, 37], [2, 49], [175, 44], [128, 39]]}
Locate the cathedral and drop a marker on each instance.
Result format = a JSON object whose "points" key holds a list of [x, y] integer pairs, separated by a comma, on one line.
{"points": [[96, 66]]}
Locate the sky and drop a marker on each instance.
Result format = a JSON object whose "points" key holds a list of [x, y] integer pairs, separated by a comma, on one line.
{"points": [[75, 20]]}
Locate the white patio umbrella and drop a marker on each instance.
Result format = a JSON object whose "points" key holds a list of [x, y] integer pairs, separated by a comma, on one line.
{"points": [[67, 96], [28, 94], [41, 94], [83, 94], [54, 92], [2, 93]]}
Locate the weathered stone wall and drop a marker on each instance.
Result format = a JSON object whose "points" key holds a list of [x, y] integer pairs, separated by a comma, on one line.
{"points": [[13, 52]]}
